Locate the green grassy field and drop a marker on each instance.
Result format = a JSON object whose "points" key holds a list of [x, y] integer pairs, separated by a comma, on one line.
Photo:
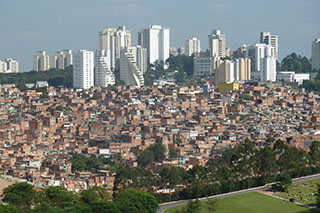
{"points": [[303, 192], [252, 202]]}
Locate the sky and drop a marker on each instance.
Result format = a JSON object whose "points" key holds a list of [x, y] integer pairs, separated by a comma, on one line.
{"points": [[27, 26]]}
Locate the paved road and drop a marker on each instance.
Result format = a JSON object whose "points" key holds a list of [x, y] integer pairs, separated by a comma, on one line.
{"points": [[165, 206]]}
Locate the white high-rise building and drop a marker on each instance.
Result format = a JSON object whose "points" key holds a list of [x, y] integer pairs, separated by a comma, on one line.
{"points": [[3, 67], [156, 40], [315, 60], [41, 61], [192, 46], [103, 76], [262, 50], [113, 41], [129, 72], [12, 66], [83, 69], [267, 38], [217, 44], [268, 66], [62, 59], [140, 56]]}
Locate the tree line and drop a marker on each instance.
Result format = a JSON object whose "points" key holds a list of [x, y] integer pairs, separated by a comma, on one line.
{"points": [[24, 198], [54, 77], [238, 168]]}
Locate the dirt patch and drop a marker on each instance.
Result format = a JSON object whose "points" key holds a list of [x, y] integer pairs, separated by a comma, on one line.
{"points": [[4, 183]]}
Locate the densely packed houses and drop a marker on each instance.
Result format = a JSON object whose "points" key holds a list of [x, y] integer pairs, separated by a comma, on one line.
{"points": [[38, 133]]}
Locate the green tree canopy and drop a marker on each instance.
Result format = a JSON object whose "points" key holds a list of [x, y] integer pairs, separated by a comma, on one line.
{"points": [[283, 182], [134, 201], [8, 209], [95, 193], [21, 195], [60, 197], [294, 62], [104, 207], [173, 153]]}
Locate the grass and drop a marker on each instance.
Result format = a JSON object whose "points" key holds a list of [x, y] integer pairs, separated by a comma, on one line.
{"points": [[252, 202], [304, 192]]}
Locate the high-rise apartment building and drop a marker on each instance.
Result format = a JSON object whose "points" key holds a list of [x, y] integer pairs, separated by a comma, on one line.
{"points": [[217, 44], [224, 71], [240, 52], [233, 70], [261, 51], [113, 41], [41, 61], [140, 55], [129, 72], [244, 69], [315, 60], [267, 38], [103, 76], [203, 66], [62, 59], [267, 61], [156, 40], [3, 67], [9, 66], [83, 69], [192, 46]]}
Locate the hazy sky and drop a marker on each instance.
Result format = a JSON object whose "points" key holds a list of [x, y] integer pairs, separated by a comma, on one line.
{"points": [[30, 25]]}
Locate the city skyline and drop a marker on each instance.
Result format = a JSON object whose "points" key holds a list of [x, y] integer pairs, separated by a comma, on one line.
{"points": [[54, 26]]}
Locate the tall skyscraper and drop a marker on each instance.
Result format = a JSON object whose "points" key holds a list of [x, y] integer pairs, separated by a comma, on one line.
{"points": [[156, 40], [10, 66], [83, 69], [203, 66], [217, 44], [267, 38], [113, 41], [224, 71], [62, 59], [261, 51], [129, 72], [315, 60], [3, 67], [233, 70], [141, 58], [103, 76], [192, 46], [268, 67], [41, 61], [244, 69]]}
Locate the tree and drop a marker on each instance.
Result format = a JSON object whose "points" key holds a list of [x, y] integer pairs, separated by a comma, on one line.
{"points": [[173, 153], [95, 193], [296, 63], [170, 176], [212, 205], [158, 150], [8, 209], [22, 87], [45, 207], [315, 153], [21, 195], [283, 182], [145, 158], [194, 206], [104, 207], [131, 200], [60, 197]]}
